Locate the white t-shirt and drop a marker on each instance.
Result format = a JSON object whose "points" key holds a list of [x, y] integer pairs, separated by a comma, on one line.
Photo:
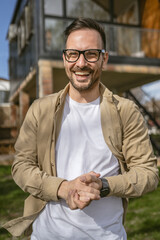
{"points": [[81, 148]]}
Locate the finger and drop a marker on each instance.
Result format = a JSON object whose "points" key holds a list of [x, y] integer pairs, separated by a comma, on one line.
{"points": [[95, 174], [70, 200], [84, 199], [88, 178], [83, 196], [80, 204], [97, 184], [86, 196], [89, 189], [82, 178]]}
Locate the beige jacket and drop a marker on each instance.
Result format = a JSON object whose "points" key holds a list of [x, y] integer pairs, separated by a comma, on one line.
{"points": [[34, 167]]}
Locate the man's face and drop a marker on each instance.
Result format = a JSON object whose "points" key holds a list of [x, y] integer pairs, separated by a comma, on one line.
{"points": [[84, 75]]}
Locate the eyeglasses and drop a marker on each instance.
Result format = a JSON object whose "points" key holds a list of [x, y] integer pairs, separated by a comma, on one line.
{"points": [[90, 55]]}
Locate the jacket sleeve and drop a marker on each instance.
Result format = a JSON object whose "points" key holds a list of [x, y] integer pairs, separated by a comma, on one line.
{"points": [[142, 175], [26, 171]]}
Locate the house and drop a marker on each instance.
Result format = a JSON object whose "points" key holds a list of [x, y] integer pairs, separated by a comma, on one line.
{"points": [[36, 42]]}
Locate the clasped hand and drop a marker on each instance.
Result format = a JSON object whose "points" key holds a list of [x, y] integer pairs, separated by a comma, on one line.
{"points": [[78, 193]]}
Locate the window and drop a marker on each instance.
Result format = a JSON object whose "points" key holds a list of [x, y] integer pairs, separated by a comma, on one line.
{"points": [[19, 40], [4, 96], [23, 38], [21, 35], [88, 8], [53, 7], [126, 12], [25, 27], [28, 19], [54, 36]]}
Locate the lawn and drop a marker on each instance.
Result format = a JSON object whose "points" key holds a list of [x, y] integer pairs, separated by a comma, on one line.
{"points": [[143, 217], [142, 222], [11, 200]]}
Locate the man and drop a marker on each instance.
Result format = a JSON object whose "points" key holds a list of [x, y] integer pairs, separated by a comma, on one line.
{"points": [[81, 152]]}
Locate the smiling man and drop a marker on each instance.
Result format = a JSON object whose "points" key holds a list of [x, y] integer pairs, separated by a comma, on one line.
{"points": [[81, 152], [84, 59]]}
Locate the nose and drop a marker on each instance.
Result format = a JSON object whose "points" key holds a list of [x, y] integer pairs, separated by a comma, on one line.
{"points": [[81, 62]]}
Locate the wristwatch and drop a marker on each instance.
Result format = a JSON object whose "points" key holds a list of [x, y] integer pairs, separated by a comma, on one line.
{"points": [[105, 188]]}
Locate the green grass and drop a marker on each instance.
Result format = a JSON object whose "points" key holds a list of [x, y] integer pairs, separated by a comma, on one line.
{"points": [[11, 200], [143, 217], [142, 221]]}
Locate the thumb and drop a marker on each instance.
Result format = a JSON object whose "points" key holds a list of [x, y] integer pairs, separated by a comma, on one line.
{"points": [[82, 178], [95, 174]]}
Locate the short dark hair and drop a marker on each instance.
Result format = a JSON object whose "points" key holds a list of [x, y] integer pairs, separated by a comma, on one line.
{"points": [[82, 23]]}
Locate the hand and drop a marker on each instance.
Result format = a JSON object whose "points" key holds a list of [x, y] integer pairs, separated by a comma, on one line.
{"points": [[93, 181], [79, 192], [74, 202]]}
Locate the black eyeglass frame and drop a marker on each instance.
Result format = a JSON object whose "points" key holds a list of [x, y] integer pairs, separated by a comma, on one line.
{"points": [[83, 52]]}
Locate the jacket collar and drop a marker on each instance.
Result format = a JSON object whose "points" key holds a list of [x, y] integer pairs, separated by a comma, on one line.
{"points": [[104, 92]]}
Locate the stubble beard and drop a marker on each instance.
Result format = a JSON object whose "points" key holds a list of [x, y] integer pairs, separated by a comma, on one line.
{"points": [[88, 87]]}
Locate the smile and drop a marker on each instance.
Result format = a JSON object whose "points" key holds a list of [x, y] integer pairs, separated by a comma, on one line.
{"points": [[82, 73]]}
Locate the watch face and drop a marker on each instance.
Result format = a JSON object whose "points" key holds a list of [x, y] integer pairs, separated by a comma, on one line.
{"points": [[105, 188], [104, 192]]}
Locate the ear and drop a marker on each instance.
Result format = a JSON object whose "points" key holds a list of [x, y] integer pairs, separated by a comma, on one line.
{"points": [[64, 60], [105, 59]]}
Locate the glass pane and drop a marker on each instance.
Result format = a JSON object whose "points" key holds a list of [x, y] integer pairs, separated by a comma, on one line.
{"points": [[108, 36], [123, 41], [54, 34], [128, 41], [126, 12], [4, 96], [88, 8], [53, 7]]}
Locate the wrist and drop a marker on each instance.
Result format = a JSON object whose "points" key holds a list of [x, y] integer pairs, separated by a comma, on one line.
{"points": [[62, 190]]}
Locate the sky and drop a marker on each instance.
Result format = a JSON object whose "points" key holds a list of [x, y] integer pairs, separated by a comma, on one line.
{"points": [[153, 89], [6, 13]]}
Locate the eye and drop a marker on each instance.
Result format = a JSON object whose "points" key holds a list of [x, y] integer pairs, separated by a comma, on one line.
{"points": [[72, 53], [92, 54]]}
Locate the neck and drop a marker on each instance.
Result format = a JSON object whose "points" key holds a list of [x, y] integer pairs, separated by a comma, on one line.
{"points": [[85, 96]]}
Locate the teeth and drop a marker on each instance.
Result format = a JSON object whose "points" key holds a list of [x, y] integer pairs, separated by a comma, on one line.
{"points": [[82, 73]]}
